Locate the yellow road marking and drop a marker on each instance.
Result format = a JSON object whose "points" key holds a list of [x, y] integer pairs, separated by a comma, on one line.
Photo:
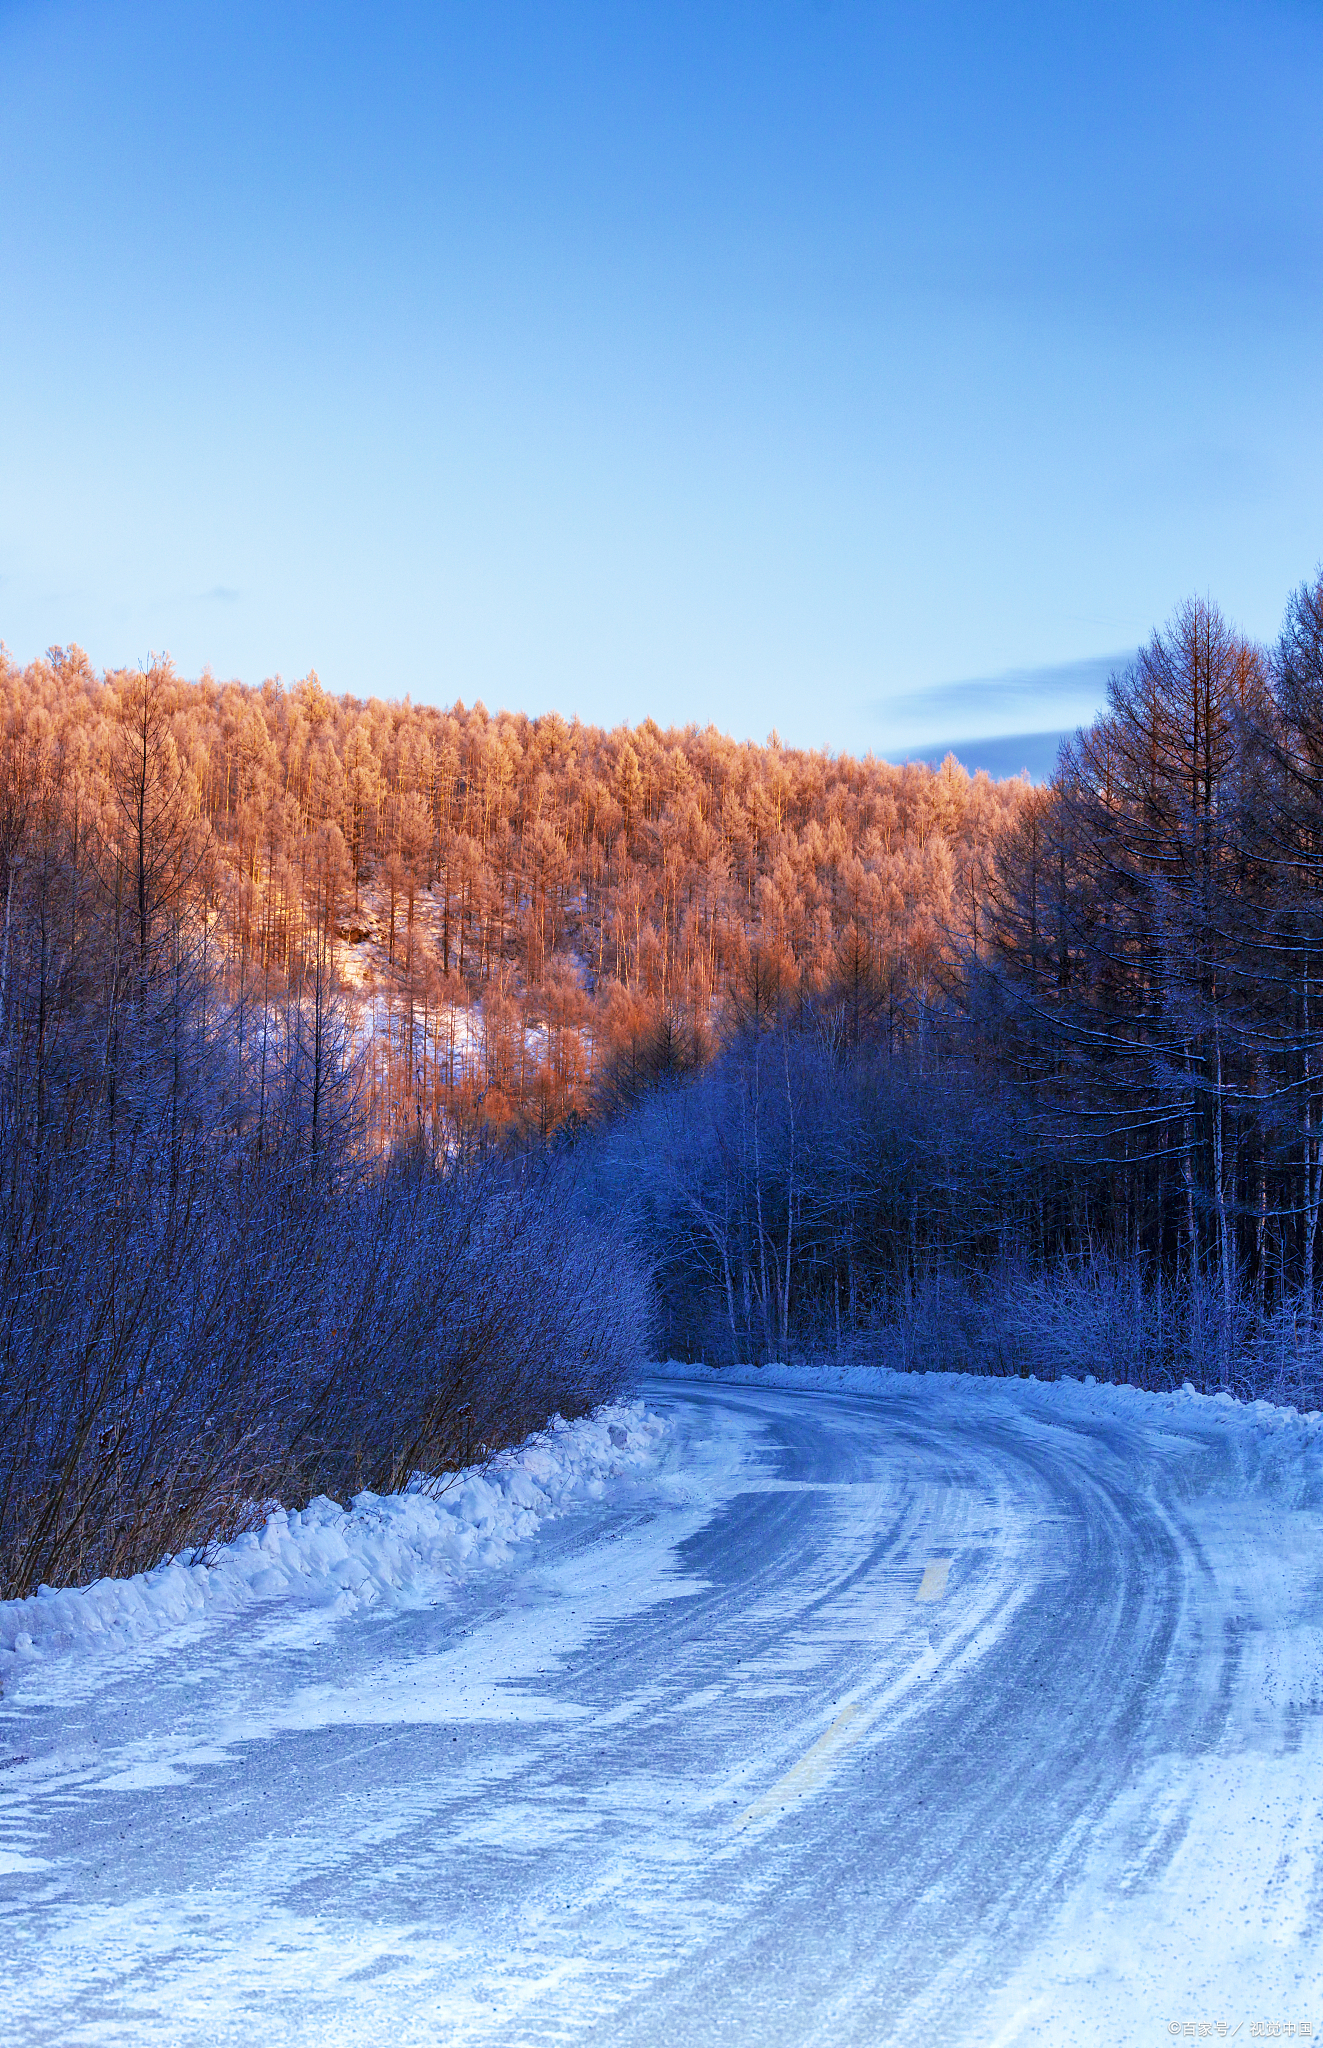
{"points": [[813, 1768], [809, 1773], [933, 1583]]}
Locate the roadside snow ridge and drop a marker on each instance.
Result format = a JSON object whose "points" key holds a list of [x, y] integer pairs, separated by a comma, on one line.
{"points": [[385, 1550]]}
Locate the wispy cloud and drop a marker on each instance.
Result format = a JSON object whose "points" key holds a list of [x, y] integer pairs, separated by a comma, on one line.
{"points": [[220, 593], [1069, 692], [1013, 753]]}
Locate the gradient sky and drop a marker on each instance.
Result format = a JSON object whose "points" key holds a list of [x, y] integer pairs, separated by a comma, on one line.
{"points": [[878, 373]]}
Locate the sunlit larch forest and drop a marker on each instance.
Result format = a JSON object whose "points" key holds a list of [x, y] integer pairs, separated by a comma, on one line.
{"points": [[514, 911]]}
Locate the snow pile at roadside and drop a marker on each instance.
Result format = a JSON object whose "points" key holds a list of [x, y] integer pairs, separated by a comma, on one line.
{"points": [[1277, 1450], [386, 1550]]}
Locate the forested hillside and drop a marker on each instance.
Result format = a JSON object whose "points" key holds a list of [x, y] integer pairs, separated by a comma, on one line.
{"points": [[375, 1080], [522, 907]]}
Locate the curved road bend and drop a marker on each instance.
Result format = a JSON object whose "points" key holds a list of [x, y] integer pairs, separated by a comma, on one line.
{"points": [[923, 1717]]}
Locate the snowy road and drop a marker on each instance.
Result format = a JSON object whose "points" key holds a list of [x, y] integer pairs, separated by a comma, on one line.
{"points": [[964, 1713]]}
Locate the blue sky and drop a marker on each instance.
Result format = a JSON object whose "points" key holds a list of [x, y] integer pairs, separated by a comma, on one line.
{"points": [[878, 373]]}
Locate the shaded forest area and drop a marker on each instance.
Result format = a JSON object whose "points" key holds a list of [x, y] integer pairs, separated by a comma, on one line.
{"points": [[1096, 1148], [375, 1080]]}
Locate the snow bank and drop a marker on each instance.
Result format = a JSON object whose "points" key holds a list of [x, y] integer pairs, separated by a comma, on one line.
{"points": [[386, 1550], [1276, 1450], [1091, 1395]]}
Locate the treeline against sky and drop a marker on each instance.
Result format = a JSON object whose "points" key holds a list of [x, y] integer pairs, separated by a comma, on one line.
{"points": [[520, 903]]}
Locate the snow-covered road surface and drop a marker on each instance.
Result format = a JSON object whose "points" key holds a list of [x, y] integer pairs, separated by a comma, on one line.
{"points": [[958, 1711]]}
